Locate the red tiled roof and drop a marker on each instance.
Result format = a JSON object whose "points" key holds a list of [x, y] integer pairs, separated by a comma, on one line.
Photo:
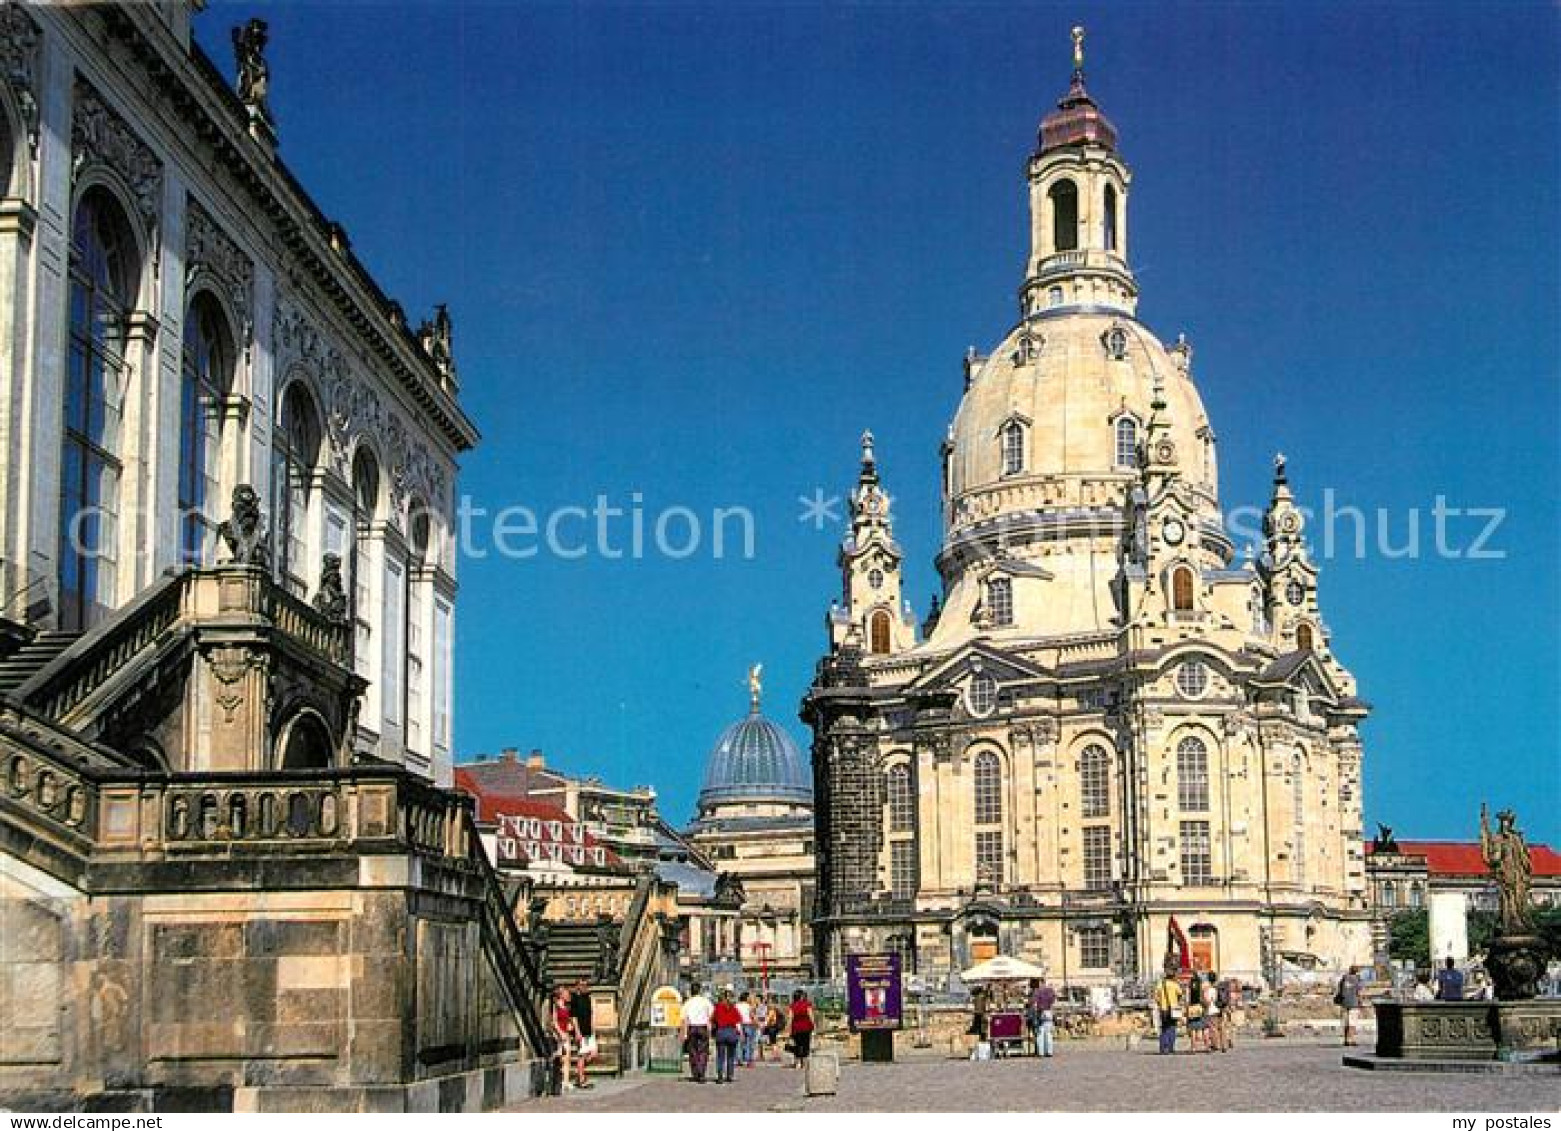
{"points": [[530, 830], [1462, 857], [505, 775]]}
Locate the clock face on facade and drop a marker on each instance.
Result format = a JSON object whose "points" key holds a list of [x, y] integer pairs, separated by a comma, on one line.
{"points": [[1173, 531], [1290, 522], [1294, 593]]}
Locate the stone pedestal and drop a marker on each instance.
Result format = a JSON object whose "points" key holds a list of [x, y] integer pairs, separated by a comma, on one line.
{"points": [[1469, 1030], [1516, 963]]}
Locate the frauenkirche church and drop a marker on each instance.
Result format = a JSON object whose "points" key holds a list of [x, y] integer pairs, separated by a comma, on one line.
{"points": [[1108, 720]]}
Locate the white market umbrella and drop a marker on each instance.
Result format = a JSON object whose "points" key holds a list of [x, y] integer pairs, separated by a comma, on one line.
{"points": [[1002, 969]]}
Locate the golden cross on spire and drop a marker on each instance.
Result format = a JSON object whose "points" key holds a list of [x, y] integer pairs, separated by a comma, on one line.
{"points": [[1078, 49]]}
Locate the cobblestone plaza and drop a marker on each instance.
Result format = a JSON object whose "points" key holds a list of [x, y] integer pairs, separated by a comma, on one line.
{"points": [[1269, 1077]]}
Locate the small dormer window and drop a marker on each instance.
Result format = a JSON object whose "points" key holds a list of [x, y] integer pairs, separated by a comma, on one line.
{"points": [[1115, 341], [1000, 600], [1013, 448]]}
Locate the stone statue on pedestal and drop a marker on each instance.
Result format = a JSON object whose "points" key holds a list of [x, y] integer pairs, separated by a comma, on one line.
{"points": [[331, 600], [244, 531], [1516, 956]]}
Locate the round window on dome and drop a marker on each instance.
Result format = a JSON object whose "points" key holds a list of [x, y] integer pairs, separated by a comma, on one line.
{"points": [[1192, 679]]}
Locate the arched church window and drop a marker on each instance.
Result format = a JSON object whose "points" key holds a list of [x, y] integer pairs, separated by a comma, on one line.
{"points": [[104, 267], [1000, 600], [295, 450], [206, 375], [1065, 215], [902, 808], [879, 632], [1182, 589], [989, 788], [1192, 775], [1127, 442], [1111, 218], [1303, 638], [1013, 448], [1095, 782]]}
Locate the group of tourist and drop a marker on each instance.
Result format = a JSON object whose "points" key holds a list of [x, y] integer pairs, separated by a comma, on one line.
{"points": [[745, 1029], [574, 1037], [1448, 985], [1204, 1005]]}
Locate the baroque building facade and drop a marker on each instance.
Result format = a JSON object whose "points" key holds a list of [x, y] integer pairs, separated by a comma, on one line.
{"points": [[1110, 730], [228, 876], [179, 320]]}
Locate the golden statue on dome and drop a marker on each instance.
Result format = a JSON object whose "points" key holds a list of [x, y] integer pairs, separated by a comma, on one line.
{"points": [[755, 687], [1078, 50]]}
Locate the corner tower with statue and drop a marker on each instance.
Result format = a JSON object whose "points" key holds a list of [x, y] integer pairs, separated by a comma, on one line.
{"points": [[1112, 716]]}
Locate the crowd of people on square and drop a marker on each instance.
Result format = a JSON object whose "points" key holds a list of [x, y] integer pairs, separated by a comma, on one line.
{"points": [[745, 1029], [1203, 1005]]}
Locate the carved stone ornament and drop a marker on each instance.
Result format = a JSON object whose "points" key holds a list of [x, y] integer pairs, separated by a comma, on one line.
{"points": [[99, 137], [19, 38], [229, 666], [208, 250], [354, 408]]}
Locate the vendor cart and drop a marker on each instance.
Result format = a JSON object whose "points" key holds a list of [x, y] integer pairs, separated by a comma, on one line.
{"points": [[1006, 1031]]}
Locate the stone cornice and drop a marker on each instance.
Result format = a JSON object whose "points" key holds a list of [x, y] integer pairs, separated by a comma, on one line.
{"points": [[200, 95]]}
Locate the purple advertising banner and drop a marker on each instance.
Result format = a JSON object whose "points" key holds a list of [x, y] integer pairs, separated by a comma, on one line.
{"points": [[873, 991]]}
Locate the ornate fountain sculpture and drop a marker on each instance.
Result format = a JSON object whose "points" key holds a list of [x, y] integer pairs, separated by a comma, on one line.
{"points": [[1516, 957]]}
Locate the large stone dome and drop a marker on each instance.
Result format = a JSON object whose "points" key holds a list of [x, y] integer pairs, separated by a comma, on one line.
{"points": [[755, 761], [1059, 375]]}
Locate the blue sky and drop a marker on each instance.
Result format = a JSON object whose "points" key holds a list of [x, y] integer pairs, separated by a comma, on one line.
{"points": [[692, 251]]}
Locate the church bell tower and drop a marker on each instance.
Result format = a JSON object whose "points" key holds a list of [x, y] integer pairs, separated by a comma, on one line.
{"points": [[1078, 208]]}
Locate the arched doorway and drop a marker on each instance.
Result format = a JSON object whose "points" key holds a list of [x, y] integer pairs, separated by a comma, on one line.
{"points": [[305, 743], [1204, 941]]}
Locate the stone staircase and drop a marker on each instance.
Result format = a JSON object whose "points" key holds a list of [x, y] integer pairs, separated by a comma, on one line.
{"points": [[32, 657], [571, 952]]}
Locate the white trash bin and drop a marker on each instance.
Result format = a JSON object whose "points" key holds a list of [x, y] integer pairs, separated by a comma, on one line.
{"points": [[823, 1074]]}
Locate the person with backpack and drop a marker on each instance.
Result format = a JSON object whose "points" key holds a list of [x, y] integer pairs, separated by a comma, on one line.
{"points": [[1347, 998], [1225, 999], [1213, 1016]]}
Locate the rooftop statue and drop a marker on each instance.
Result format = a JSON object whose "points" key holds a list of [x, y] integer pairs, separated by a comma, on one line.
{"points": [[254, 76]]}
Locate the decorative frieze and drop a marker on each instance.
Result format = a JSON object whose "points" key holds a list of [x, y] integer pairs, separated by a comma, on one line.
{"points": [[354, 408], [100, 138], [210, 253], [19, 39]]}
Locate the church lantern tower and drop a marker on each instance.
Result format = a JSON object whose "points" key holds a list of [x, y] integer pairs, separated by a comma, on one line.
{"points": [[1078, 207]]}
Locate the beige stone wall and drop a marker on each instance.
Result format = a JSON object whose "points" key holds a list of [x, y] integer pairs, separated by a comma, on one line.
{"points": [[336, 997]]}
